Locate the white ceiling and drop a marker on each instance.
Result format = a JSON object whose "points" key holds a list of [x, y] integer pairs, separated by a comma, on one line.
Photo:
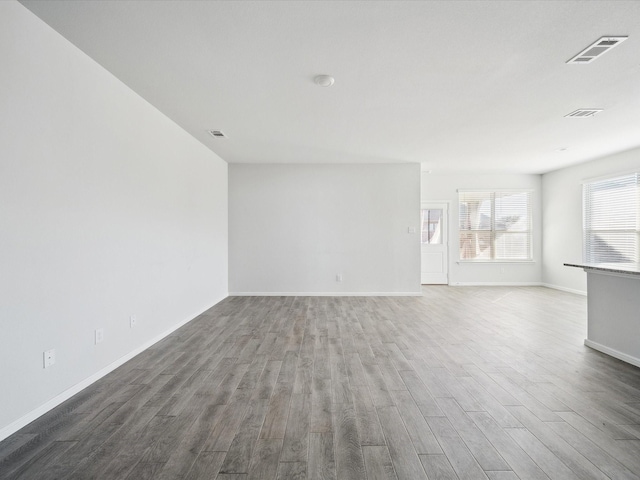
{"points": [[474, 86]]}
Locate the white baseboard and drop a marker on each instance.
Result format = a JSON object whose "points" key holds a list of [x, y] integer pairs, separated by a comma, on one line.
{"points": [[70, 392], [613, 352], [565, 289], [325, 294], [495, 284]]}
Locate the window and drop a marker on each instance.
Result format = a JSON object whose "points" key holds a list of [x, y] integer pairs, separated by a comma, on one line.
{"points": [[611, 220], [431, 225], [495, 226]]}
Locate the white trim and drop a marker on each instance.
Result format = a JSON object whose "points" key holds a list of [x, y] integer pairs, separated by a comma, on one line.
{"points": [[70, 392], [495, 284], [499, 190], [565, 289], [493, 262], [325, 294], [612, 352]]}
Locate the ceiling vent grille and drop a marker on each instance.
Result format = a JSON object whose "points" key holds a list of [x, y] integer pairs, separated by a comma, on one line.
{"points": [[597, 49], [584, 113], [217, 134]]}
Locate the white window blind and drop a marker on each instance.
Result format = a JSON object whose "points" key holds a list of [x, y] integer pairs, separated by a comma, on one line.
{"points": [[611, 220], [495, 226]]}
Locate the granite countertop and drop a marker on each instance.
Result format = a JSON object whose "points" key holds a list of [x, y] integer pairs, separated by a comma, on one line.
{"points": [[629, 268]]}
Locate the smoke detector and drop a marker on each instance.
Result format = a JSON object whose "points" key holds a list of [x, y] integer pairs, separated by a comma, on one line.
{"points": [[324, 80], [217, 134], [597, 49], [584, 112]]}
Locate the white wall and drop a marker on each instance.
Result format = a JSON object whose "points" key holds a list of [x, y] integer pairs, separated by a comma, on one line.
{"points": [[444, 187], [107, 209], [562, 205], [293, 228]]}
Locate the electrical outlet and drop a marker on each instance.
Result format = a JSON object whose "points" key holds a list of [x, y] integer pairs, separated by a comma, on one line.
{"points": [[99, 335], [339, 277], [133, 319], [49, 358]]}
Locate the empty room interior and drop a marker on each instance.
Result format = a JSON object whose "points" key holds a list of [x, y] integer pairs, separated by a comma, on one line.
{"points": [[320, 239]]}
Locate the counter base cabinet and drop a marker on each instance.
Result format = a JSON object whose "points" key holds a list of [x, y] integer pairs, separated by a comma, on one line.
{"points": [[613, 302], [613, 324]]}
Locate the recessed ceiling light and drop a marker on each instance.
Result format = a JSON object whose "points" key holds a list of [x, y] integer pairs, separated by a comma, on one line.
{"points": [[217, 134], [324, 80], [596, 49], [584, 112]]}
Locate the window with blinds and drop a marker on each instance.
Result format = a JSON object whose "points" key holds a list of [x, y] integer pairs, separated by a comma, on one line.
{"points": [[495, 226], [611, 220]]}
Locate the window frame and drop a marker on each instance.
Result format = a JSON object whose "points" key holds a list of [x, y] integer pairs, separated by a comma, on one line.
{"points": [[492, 231]]}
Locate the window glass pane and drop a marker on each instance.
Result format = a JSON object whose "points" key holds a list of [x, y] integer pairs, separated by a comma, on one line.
{"points": [[475, 211], [512, 211], [475, 245], [432, 226], [611, 247], [613, 206], [512, 246]]}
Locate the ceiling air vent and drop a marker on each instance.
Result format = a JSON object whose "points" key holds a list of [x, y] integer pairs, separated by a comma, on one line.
{"points": [[584, 112], [217, 134], [597, 49]]}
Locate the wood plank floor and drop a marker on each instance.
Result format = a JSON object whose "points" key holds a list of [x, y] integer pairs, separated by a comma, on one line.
{"points": [[462, 383]]}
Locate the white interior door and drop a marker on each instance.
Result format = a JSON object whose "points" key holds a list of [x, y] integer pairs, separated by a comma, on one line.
{"points": [[435, 259]]}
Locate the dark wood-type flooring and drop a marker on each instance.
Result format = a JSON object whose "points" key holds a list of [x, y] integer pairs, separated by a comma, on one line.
{"points": [[464, 382]]}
